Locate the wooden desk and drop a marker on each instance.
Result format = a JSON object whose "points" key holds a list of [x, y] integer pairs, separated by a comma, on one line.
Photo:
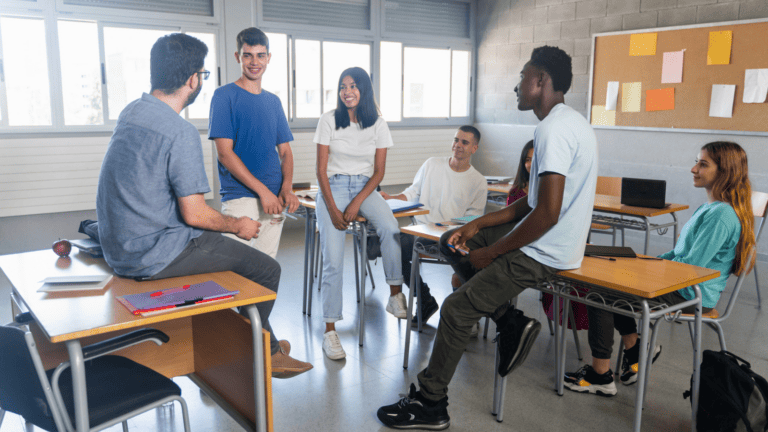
{"points": [[628, 286], [358, 228], [502, 188], [612, 205], [210, 342]]}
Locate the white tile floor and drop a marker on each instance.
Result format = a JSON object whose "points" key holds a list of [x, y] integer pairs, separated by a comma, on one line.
{"points": [[344, 395]]}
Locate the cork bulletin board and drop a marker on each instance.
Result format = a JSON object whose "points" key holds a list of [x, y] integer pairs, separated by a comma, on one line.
{"points": [[612, 62]]}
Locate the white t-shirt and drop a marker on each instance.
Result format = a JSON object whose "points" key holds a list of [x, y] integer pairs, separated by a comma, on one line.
{"points": [[446, 193], [352, 149], [564, 143]]}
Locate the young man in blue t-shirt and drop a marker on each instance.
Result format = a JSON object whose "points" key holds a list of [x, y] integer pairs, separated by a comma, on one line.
{"points": [[252, 137]]}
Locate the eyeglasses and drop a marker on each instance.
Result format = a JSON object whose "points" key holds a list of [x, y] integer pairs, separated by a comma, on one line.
{"points": [[205, 74]]}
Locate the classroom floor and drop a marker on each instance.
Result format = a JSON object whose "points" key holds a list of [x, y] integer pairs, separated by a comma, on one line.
{"points": [[344, 395]]}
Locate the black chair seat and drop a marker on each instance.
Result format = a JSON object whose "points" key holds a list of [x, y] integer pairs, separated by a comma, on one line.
{"points": [[116, 386]]}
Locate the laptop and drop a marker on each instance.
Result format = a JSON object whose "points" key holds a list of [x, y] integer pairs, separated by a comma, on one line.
{"points": [[643, 192]]}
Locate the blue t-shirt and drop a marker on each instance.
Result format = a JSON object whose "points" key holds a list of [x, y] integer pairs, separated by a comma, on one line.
{"points": [[256, 123], [708, 240], [154, 157]]}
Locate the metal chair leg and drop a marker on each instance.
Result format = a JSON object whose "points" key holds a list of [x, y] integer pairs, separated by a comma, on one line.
{"points": [[720, 335], [370, 275], [357, 274], [757, 287], [575, 335], [619, 357], [317, 254], [487, 324]]}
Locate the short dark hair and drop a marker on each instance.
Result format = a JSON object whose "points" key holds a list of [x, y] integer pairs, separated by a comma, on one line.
{"points": [[556, 63], [252, 36], [173, 59], [367, 111], [473, 130]]}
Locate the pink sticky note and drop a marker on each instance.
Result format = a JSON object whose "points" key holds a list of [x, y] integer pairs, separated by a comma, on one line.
{"points": [[672, 67]]}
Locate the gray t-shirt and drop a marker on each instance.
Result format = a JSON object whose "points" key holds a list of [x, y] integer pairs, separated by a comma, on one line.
{"points": [[154, 157]]}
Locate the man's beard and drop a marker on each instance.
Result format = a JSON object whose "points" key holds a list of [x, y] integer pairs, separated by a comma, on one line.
{"points": [[191, 98]]}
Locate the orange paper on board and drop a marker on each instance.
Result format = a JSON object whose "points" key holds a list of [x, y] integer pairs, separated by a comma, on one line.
{"points": [[660, 99]]}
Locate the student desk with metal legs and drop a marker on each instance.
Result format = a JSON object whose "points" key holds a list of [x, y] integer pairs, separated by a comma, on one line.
{"points": [[210, 343], [627, 286], [359, 228]]}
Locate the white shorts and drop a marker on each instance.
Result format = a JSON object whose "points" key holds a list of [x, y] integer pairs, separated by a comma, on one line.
{"points": [[271, 228]]}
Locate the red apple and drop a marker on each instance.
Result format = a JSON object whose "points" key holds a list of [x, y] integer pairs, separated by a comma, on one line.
{"points": [[62, 247]]}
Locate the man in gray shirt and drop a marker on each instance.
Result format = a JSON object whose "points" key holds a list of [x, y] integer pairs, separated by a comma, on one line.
{"points": [[154, 222]]}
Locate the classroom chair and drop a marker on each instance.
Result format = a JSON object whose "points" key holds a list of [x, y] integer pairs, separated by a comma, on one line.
{"points": [[759, 208], [607, 186], [117, 388]]}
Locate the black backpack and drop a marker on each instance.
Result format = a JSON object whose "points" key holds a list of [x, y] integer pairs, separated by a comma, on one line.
{"points": [[731, 396]]}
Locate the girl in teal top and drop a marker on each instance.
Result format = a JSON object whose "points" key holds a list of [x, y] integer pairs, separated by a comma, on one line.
{"points": [[718, 236]]}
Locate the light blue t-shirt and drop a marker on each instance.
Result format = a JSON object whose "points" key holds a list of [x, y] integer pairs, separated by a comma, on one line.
{"points": [[564, 143], [708, 240], [256, 123], [154, 157]]}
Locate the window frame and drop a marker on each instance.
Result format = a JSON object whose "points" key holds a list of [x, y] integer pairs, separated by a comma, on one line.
{"points": [[50, 15]]}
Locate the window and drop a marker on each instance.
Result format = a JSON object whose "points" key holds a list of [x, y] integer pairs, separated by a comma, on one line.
{"points": [[276, 76], [80, 73]]}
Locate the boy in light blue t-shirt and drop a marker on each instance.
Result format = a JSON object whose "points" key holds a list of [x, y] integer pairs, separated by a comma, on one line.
{"points": [[252, 137]]}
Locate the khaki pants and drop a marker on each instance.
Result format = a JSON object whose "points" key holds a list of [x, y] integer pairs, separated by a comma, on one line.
{"points": [[271, 228]]}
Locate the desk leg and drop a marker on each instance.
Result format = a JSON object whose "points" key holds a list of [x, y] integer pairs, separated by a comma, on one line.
{"points": [[364, 259], [415, 263], [562, 340], [312, 240], [647, 235], [559, 374], [696, 359], [260, 396], [674, 230], [642, 366], [307, 231], [80, 395]]}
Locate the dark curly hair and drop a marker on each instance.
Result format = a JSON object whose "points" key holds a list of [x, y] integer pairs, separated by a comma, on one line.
{"points": [[556, 63], [173, 59]]}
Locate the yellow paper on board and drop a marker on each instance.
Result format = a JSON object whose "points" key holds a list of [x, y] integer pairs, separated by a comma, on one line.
{"points": [[601, 117], [719, 52], [631, 94], [642, 44]]}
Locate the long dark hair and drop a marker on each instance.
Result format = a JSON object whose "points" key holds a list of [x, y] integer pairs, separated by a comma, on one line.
{"points": [[367, 111], [732, 186], [523, 176]]}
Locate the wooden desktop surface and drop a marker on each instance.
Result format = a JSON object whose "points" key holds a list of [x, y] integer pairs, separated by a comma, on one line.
{"points": [[75, 314], [500, 187], [640, 277], [310, 203], [610, 203]]}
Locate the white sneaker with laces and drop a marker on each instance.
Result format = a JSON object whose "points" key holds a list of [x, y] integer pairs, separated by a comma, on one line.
{"points": [[332, 346], [397, 306]]}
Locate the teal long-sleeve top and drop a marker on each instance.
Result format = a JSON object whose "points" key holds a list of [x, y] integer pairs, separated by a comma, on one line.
{"points": [[708, 240]]}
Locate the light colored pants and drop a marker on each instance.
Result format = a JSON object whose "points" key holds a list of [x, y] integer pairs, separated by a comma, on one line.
{"points": [[344, 188], [271, 228]]}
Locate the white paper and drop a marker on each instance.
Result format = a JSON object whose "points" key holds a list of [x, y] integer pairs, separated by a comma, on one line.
{"points": [[611, 95], [755, 85], [75, 283], [721, 104]]}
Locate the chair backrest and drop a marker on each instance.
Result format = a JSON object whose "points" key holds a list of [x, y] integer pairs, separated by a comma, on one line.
{"points": [[21, 388], [608, 186], [759, 208], [737, 287]]}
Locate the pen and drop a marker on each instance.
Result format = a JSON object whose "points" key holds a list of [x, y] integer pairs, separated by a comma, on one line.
{"points": [[602, 257], [171, 291]]}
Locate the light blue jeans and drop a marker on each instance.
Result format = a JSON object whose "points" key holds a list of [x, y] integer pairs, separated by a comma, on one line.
{"points": [[344, 188]]}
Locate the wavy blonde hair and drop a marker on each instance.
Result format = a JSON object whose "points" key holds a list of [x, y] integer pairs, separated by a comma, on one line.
{"points": [[732, 186]]}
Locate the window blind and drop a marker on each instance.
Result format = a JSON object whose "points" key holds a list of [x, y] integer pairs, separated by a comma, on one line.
{"points": [[350, 14], [427, 17], [187, 7]]}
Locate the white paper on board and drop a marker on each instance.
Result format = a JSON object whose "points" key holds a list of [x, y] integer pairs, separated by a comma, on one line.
{"points": [[755, 85], [611, 95], [721, 104]]}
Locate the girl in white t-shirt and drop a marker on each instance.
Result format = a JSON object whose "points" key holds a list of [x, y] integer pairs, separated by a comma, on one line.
{"points": [[352, 143]]}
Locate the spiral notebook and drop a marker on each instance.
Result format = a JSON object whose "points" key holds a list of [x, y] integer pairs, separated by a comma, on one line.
{"points": [[171, 298]]}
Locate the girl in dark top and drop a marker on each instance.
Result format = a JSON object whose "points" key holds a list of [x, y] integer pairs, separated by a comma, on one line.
{"points": [[520, 186]]}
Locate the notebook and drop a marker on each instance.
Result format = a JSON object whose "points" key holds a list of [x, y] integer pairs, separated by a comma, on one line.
{"points": [[187, 295], [643, 192], [497, 179], [464, 219], [610, 251], [397, 205]]}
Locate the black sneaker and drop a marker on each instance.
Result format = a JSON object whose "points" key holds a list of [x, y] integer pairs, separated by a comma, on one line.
{"points": [[416, 412], [586, 380], [629, 365], [427, 310], [515, 340]]}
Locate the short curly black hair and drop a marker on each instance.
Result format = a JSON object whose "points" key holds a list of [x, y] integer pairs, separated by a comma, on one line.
{"points": [[556, 63]]}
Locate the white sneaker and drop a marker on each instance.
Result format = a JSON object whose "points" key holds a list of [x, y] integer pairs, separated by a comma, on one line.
{"points": [[475, 330], [397, 306], [332, 346]]}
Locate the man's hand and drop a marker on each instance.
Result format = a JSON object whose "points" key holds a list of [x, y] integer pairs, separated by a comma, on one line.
{"points": [[482, 257], [270, 203], [337, 218], [460, 237], [352, 210], [247, 228], [289, 200]]}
